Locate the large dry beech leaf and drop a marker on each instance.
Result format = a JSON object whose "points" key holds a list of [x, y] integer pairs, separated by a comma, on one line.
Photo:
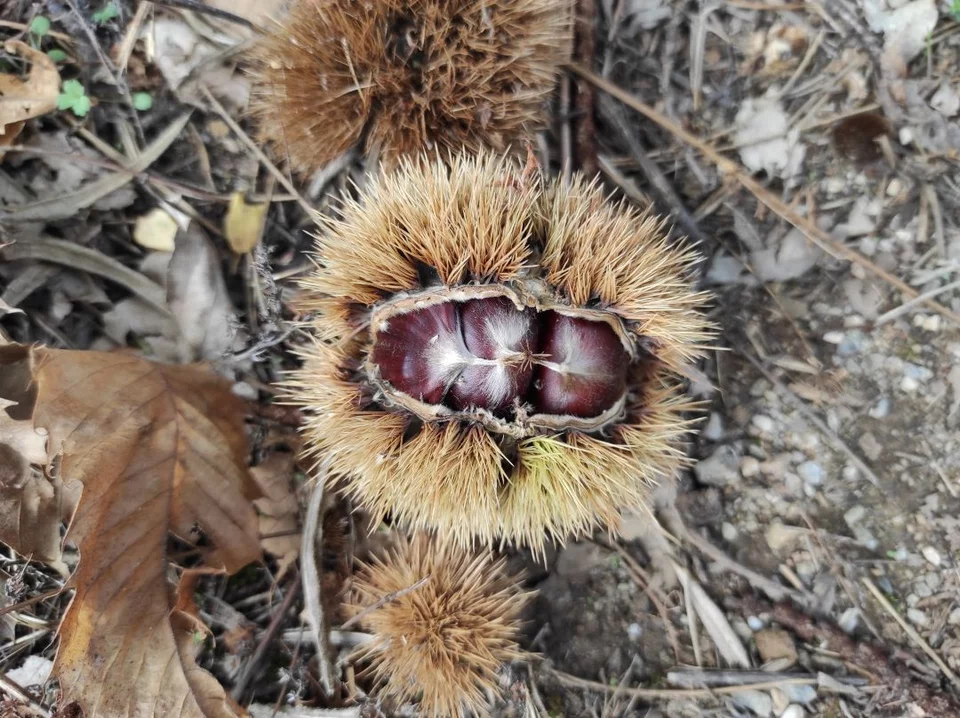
{"points": [[159, 450]]}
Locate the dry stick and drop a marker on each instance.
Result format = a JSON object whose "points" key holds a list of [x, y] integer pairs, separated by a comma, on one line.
{"points": [[908, 305], [252, 146], [664, 189], [108, 65], [200, 7], [586, 49], [763, 195], [838, 443], [911, 631], [268, 635], [384, 600], [310, 544], [30, 601], [17, 691], [670, 694]]}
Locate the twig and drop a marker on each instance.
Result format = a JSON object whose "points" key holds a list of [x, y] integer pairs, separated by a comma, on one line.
{"points": [[874, 658], [585, 52], [108, 66], [763, 195], [707, 678], [383, 601], [671, 694], [252, 146], [774, 590], [17, 691], [310, 543], [664, 189], [910, 631], [838, 443], [30, 601], [908, 305], [197, 6], [279, 617]]}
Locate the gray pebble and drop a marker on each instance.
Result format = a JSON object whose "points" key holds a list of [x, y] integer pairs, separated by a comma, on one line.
{"points": [[811, 472], [722, 467]]}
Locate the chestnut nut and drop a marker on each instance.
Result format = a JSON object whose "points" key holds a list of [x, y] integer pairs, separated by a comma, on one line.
{"points": [[488, 354]]}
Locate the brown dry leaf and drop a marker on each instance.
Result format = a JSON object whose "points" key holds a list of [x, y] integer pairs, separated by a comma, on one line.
{"points": [[278, 508], [159, 449], [32, 506], [37, 95]]}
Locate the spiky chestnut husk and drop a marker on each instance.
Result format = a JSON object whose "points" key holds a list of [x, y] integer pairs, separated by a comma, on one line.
{"points": [[401, 76], [442, 642], [415, 424]]}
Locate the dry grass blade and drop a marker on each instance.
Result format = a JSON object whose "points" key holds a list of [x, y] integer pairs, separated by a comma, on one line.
{"points": [[911, 632], [311, 542], [75, 256], [717, 625], [763, 195], [676, 693], [159, 450], [63, 206]]}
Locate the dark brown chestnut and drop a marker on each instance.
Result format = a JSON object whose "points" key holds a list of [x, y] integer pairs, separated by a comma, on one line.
{"points": [[584, 367], [502, 341], [488, 354]]}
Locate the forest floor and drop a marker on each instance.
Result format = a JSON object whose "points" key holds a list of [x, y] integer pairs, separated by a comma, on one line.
{"points": [[808, 564]]}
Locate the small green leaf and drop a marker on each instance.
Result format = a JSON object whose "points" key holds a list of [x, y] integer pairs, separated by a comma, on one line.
{"points": [[142, 101], [73, 96], [73, 88], [57, 55], [40, 25], [107, 13], [81, 106]]}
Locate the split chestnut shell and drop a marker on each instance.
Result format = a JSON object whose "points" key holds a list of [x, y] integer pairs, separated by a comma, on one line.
{"points": [[496, 356]]}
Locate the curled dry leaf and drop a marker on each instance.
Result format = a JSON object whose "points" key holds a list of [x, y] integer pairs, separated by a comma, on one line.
{"points": [[278, 508], [159, 450], [20, 99], [32, 506]]}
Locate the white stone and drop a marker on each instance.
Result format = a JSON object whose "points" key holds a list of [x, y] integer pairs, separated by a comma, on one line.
{"points": [[763, 423], [749, 467], [854, 515], [916, 616], [833, 337], [909, 384], [729, 532], [931, 554]]}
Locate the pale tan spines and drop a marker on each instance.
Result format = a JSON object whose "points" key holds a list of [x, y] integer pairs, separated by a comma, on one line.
{"points": [[454, 479], [597, 249], [405, 76], [481, 220], [470, 221], [568, 486], [442, 643]]}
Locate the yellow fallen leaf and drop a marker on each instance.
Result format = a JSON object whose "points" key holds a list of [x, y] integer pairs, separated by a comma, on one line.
{"points": [[37, 95], [155, 230], [160, 450], [243, 223]]}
